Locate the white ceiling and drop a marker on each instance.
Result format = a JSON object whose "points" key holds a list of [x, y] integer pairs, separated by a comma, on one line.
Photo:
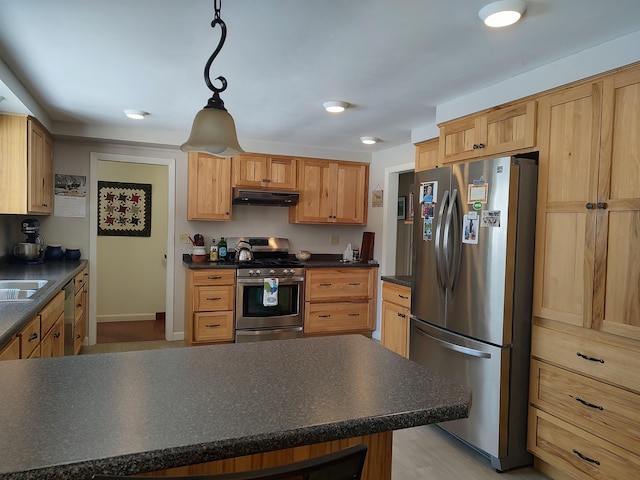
{"points": [[85, 61]]}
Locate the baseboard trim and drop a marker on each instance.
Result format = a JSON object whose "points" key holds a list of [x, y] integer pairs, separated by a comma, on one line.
{"points": [[126, 317]]}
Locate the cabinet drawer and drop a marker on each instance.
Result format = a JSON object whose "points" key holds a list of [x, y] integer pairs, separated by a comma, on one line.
{"points": [[336, 317], [212, 327], [604, 410], [11, 351], [79, 280], [397, 294], [214, 298], [29, 338], [213, 277], [78, 335], [612, 364], [582, 455], [329, 284], [51, 312]]}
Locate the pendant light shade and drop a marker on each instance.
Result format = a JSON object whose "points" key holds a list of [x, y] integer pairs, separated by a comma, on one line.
{"points": [[214, 132]]}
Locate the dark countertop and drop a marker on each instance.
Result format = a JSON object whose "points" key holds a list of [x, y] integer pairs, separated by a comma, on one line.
{"points": [[127, 413], [322, 260], [404, 280], [15, 314]]}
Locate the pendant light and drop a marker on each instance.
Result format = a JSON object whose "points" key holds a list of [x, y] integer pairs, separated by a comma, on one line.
{"points": [[214, 130]]}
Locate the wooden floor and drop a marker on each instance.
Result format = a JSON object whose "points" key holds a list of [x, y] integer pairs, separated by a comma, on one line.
{"points": [[136, 331], [430, 453]]}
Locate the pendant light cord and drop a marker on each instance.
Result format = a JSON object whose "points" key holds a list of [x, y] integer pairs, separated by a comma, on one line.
{"points": [[215, 101]]}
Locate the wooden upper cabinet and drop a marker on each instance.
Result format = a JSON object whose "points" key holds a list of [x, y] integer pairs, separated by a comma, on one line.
{"points": [[427, 155], [505, 129], [209, 192], [588, 236], [331, 192], [265, 172], [616, 302], [26, 177]]}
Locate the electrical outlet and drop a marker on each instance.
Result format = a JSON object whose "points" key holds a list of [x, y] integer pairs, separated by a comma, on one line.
{"points": [[335, 239], [184, 238]]}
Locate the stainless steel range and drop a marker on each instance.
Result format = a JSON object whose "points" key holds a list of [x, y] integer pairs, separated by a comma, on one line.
{"points": [[269, 291]]}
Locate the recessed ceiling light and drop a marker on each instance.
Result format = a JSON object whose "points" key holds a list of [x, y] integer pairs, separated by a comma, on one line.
{"points": [[368, 140], [502, 13], [335, 107], [136, 114]]}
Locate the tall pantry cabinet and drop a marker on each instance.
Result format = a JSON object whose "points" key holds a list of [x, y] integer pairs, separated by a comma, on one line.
{"points": [[585, 374]]}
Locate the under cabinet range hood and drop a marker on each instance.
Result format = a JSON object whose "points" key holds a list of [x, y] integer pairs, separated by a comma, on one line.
{"points": [[243, 196]]}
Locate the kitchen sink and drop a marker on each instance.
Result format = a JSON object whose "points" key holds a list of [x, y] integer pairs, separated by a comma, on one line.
{"points": [[11, 290]]}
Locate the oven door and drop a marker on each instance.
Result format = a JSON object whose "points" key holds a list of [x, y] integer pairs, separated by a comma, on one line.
{"points": [[251, 312]]}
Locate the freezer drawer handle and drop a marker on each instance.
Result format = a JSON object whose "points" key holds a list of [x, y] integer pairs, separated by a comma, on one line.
{"points": [[457, 348], [588, 404], [587, 357], [585, 458]]}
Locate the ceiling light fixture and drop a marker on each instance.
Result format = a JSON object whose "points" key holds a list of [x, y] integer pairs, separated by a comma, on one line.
{"points": [[136, 114], [502, 13], [335, 107], [214, 130], [368, 140]]}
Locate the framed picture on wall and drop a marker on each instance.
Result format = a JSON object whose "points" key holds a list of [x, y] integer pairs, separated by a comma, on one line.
{"points": [[402, 208]]}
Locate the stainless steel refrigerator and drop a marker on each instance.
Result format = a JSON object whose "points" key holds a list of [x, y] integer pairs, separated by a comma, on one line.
{"points": [[471, 295]]}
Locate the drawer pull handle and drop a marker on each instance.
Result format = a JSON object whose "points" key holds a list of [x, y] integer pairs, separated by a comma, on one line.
{"points": [[585, 458], [324, 316], [216, 277], [213, 325], [56, 335], [33, 337], [325, 284], [401, 315], [355, 284], [214, 298], [587, 357], [588, 404], [353, 315], [78, 337], [78, 305], [404, 297]]}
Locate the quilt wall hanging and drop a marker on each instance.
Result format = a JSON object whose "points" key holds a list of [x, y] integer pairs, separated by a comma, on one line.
{"points": [[124, 209]]}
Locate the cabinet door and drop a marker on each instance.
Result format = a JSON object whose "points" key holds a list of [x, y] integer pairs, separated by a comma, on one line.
{"points": [[314, 180], [209, 194], [283, 173], [567, 182], [350, 193], [250, 171], [616, 303], [395, 328], [52, 344], [11, 351], [427, 155], [459, 139], [509, 129], [40, 169]]}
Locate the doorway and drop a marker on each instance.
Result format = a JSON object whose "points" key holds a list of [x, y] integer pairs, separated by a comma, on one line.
{"points": [[131, 280]]}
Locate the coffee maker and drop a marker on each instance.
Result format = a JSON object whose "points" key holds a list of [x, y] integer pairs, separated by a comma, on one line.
{"points": [[32, 249]]}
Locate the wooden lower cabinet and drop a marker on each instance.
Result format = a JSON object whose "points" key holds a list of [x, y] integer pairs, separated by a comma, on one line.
{"points": [[396, 305], [377, 464], [340, 300], [52, 344], [11, 351], [209, 305], [584, 394]]}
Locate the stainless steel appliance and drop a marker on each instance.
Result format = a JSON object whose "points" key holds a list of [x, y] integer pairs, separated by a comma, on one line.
{"points": [[472, 292], [257, 320], [32, 249]]}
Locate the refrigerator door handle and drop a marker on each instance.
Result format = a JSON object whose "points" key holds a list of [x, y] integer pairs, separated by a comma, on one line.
{"points": [[456, 348], [454, 250], [440, 254]]}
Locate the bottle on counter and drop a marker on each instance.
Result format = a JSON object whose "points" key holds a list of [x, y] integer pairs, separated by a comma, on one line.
{"points": [[213, 251], [222, 249]]}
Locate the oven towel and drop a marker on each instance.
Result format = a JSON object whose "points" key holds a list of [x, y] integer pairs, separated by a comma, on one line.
{"points": [[270, 295]]}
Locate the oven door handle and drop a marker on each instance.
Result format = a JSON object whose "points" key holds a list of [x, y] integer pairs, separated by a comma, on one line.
{"points": [[281, 281]]}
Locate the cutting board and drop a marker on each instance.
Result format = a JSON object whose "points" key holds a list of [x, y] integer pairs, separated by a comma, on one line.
{"points": [[366, 251]]}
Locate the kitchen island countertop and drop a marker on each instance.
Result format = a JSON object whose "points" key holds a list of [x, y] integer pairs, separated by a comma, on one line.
{"points": [[404, 280], [132, 412]]}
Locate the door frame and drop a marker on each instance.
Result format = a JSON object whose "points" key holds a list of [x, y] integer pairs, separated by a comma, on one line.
{"points": [[170, 163]]}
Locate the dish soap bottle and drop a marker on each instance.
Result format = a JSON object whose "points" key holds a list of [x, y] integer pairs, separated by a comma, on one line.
{"points": [[222, 249], [213, 251]]}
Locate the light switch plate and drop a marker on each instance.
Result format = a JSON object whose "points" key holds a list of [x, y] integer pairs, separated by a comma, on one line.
{"points": [[184, 238]]}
